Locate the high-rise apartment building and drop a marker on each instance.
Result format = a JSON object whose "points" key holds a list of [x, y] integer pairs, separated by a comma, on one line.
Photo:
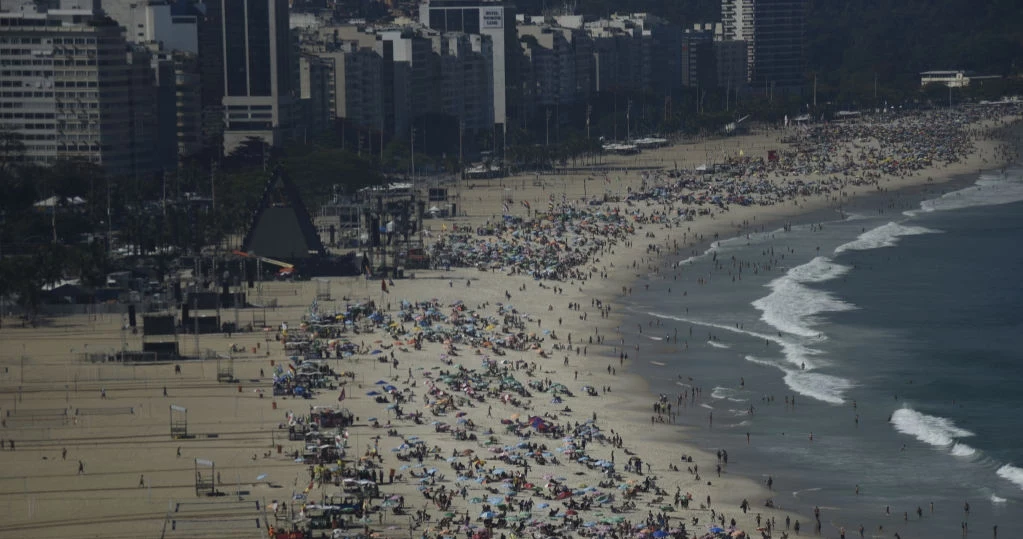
{"points": [[178, 105], [496, 20], [779, 46], [731, 64], [258, 71], [464, 73], [354, 84], [737, 19], [558, 63], [72, 88], [699, 64]]}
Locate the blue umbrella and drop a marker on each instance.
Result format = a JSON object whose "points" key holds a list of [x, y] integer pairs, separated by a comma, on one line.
{"points": [[381, 383], [716, 529], [372, 393], [488, 514], [372, 419], [659, 534]]}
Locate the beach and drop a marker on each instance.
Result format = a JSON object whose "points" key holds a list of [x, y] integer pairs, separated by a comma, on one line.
{"points": [[493, 402]]}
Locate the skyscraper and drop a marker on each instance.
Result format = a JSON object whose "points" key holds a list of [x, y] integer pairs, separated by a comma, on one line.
{"points": [[259, 85], [779, 36]]}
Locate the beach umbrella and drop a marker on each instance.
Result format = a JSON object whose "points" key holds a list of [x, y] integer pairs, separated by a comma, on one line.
{"points": [[487, 514], [372, 419], [659, 534], [716, 529]]}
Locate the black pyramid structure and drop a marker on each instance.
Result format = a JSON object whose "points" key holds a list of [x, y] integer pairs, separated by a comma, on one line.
{"points": [[281, 227]]}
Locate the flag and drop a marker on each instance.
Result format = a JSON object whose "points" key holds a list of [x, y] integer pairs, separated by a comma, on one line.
{"points": [[341, 397]]}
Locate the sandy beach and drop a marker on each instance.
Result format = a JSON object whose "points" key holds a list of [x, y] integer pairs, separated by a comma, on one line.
{"points": [[87, 446]]}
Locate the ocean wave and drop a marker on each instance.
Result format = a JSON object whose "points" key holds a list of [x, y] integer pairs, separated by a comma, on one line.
{"points": [[991, 189], [795, 355], [790, 306], [883, 236], [929, 429], [727, 393], [997, 499], [963, 450], [823, 387], [716, 344], [1012, 473]]}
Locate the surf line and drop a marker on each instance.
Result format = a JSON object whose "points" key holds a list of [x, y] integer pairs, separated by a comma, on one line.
{"points": [[793, 353], [777, 340]]}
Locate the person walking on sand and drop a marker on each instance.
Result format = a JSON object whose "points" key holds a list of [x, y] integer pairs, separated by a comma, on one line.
{"points": [[81, 467], [142, 480]]}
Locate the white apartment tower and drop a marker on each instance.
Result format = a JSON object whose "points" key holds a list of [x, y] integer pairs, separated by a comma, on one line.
{"points": [[737, 17]]}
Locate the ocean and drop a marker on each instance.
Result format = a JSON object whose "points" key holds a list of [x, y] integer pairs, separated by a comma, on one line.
{"points": [[873, 358]]}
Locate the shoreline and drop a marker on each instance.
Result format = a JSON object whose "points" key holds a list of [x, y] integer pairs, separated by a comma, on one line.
{"points": [[909, 195], [625, 409]]}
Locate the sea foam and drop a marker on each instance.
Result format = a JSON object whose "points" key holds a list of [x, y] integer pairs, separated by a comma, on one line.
{"points": [[992, 188], [797, 358], [963, 450], [791, 305], [1012, 473], [931, 430], [883, 236]]}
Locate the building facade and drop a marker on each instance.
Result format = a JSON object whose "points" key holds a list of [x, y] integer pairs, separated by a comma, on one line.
{"points": [[72, 88], [314, 92], [493, 19], [737, 21], [259, 74], [699, 62], [779, 49], [731, 64], [174, 25]]}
